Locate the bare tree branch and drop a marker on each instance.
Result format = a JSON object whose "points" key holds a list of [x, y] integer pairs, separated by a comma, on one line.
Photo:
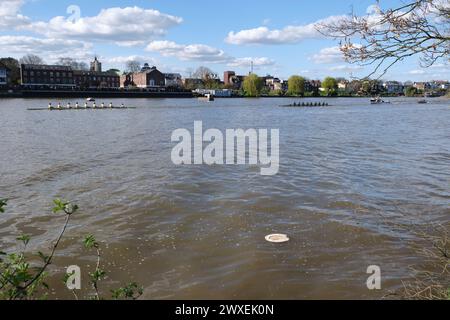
{"points": [[386, 37]]}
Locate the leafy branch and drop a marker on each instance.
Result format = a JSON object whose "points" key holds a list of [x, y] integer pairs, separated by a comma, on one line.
{"points": [[19, 282]]}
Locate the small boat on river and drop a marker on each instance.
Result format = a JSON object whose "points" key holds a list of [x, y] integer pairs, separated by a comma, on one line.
{"points": [[378, 100], [69, 106], [306, 105], [207, 97]]}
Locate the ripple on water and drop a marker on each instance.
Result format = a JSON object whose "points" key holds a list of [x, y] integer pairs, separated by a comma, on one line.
{"points": [[351, 177]]}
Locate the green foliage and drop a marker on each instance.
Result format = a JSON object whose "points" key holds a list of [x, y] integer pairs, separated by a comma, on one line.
{"points": [[296, 86], [276, 93], [65, 206], [3, 204], [24, 238], [90, 242], [252, 86], [212, 84], [265, 91], [19, 280], [330, 85], [131, 292], [97, 275], [14, 69], [410, 92]]}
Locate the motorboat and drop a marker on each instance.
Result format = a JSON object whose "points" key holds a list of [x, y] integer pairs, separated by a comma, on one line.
{"points": [[207, 97], [378, 100]]}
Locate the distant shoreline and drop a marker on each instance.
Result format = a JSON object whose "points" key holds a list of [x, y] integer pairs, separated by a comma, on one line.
{"points": [[94, 94]]}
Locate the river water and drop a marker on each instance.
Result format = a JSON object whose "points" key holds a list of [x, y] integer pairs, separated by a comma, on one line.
{"points": [[349, 175]]}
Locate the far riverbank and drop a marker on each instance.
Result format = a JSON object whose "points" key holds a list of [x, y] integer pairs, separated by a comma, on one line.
{"points": [[32, 94]]}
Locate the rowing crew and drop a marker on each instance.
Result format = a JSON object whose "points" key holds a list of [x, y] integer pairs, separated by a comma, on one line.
{"points": [[86, 106]]}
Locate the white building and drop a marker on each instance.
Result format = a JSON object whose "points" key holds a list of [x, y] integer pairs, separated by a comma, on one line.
{"points": [[221, 93], [342, 85], [173, 80]]}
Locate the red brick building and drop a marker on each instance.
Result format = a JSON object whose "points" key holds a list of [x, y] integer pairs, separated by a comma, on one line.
{"points": [[227, 77], [46, 75], [96, 79], [148, 77]]}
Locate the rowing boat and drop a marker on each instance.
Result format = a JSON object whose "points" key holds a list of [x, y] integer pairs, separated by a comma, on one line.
{"points": [[75, 109]]}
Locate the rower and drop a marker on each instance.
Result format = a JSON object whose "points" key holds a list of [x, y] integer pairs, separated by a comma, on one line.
{"points": [[102, 105], [110, 105], [76, 105], [122, 105], [59, 105], [94, 105], [85, 105], [50, 107], [69, 106]]}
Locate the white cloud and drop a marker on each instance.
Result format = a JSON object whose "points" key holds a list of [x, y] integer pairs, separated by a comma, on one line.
{"points": [[130, 43], [418, 71], [126, 25], [202, 52], [328, 55], [125, 59], [346, 68], [287, 35], [49, 49], [247, 62], [196, 52], [435, 72], [373, 9], [10, 16]]}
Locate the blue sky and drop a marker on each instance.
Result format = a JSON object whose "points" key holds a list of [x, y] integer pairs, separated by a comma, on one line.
{"points": [[181, 35]]}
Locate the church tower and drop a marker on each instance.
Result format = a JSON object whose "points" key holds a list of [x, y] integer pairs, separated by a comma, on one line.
{"points": [[96, 65]]}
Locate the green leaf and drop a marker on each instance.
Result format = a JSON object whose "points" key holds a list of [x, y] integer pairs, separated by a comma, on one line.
{"points": [[24, 238], [131, 291], [67, 207], [59, 205], [3, 203], [90, 242], [97, 275]]}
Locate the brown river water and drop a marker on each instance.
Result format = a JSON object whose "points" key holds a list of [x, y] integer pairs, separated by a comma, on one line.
{"points": [[349, 175]]}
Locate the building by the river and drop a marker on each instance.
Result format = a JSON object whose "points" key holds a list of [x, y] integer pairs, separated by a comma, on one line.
{"points": [[95, 78], [147, 78], [55, 76], [33, 75]]}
